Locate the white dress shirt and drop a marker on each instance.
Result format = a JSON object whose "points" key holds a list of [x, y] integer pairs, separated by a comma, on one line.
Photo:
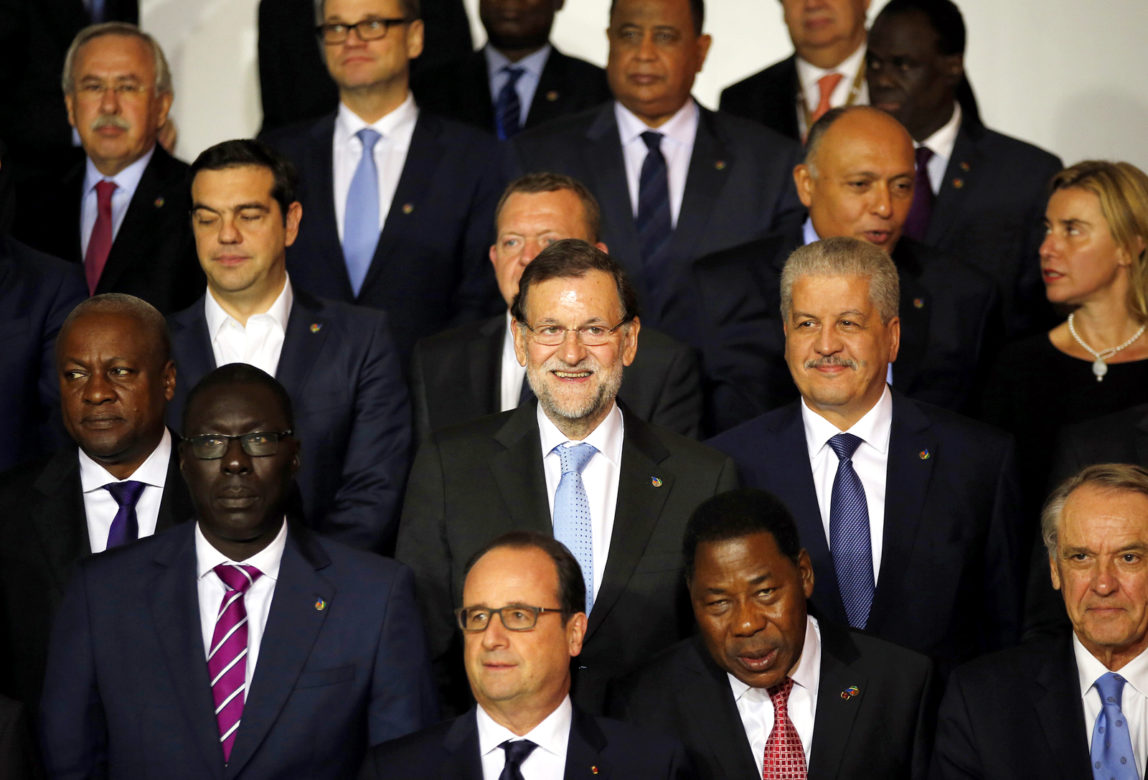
{"points": [[257, 600], [600, 478], [1134, 700], [126, 181], [756, 708], [809, 74], [545, 762], [260, 342], [396, 129], [870, 461], [527, 84], [513, 373], [99, 506], [677, 147], [941, 144]]}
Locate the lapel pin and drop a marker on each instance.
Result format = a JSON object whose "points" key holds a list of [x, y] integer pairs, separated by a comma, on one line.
{"points": [[408, 208], [593, 770], [159, 202], [552, 95], [720, 165], [958, 183], [320, 605], [655, 482], [316, 327], [964, 166], [850, 692], [918, 303], [924, 454]]}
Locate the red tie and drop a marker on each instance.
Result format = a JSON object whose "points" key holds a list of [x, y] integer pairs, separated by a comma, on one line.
{"points": [[784, 757], [826, 84], [100, 242]]}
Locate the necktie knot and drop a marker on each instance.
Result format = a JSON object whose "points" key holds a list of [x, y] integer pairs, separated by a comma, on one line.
{"points": [[517, 751], [513, 74], [923, 155], [369, 137], [826, 84], [104, 190], [1110, 687], [126, 493], [844, 445], [653, 141], [779, 694], [238, 577], [575, 457]]}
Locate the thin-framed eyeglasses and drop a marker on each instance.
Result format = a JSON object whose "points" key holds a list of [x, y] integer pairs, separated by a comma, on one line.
{"points": [[514, 617], [370, 29], [588, 335], [95, 90], [213, 446]]}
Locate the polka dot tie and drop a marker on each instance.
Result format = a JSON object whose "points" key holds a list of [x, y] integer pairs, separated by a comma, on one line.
{"points": [[572, 512], [849, 540], [784, 756], [1112, 757]]}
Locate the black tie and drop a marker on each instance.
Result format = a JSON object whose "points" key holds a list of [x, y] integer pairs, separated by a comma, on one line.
{"points": [[516, 753], [508, 108], [653, 223]]}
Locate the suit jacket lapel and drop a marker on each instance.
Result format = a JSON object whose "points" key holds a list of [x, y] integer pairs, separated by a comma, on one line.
{"points": [[1060, 712], [708, 173], [461, 759], [485, 361], [74, 183], [948, 209], [146, 202], [704, 689], [319, 218], [916, 314], [293, 624], [519, 474], [303, 343], [584, 749], [913, 449], [833, 721], [192, 344], [175, 504], [64, 530], [475, 90]]}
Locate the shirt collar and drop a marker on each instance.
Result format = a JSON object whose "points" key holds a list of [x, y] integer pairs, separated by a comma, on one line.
{"points": [[808, 73], [153, 471], [127, 179], [347, 122], [681, 128], [531, 63], [551, 735], [806, 674], [874, 428], [278, 311], [266, 560], [1089, 669], [606, 438], [808, 232], [941, 142]]}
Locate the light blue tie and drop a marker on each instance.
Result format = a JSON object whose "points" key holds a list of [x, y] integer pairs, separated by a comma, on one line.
{"points": [[361, 221], [572, 512], [849, 540], [1112, 756]]}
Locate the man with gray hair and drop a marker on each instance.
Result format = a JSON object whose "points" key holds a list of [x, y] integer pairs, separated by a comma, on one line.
{"points": [[909, 512], [123, 212], [1068, 705]]}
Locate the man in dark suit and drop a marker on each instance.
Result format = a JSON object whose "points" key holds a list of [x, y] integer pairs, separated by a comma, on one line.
{"points": [[116, 483], [403, 228], [910, 513], [661, 386], [675, 181], [857, 706], [337, 361], [575, 329], [517, 80], [123, 211], [826, 70], [517, 660], [857, 180], [1056, 708], [249, 645], [979, 194]]}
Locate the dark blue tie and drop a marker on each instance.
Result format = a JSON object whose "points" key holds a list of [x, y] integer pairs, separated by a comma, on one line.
{"points": [[125, 526], [849, 533], [508, 108], [516, 753], [1111, 753], [653, 222]]}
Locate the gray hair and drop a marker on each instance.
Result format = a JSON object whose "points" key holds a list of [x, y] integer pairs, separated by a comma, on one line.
{"points": [[843, 256], [162, 71], [1106, 476]]}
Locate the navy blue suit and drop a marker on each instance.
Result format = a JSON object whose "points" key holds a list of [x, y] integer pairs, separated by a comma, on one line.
{"points": [[949, 583], [352, 416], [430, 267], [768, 96], [342, 666]]}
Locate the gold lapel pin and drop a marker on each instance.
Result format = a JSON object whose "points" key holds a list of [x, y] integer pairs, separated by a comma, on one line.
{"points": [[964, 166], [408, 208], [159, 202], [593, 770], [918, 303], [720, 165], [958, 183], [316, 327], [552, 95]]}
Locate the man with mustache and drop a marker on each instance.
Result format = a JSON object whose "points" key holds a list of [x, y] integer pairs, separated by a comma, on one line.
{"points": [[573, 463], [123, 211], [910, 513], [766, 687]]}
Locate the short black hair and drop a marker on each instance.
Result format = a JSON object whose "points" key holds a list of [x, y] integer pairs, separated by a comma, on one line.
{"points": [[571, 585], [573, 258], [242, 152], [121, 304], [547, 181], [239, 374], [697, 14], [739, 513]]}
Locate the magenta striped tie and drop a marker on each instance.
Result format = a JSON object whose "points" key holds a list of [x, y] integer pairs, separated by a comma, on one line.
{"points": [[227, 659]]}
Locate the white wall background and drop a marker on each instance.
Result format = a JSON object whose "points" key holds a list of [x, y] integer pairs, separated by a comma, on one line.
{"points": [[1068, 75]]}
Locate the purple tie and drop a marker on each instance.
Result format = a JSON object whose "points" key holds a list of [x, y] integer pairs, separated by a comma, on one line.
{"points": [[918, 221], [227, 659], [125, 527]]}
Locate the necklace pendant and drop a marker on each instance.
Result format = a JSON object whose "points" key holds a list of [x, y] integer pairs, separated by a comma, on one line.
{"points": [[1099, 368]]}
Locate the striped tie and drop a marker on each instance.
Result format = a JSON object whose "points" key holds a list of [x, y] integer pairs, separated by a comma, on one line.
{"points": [[227, 659]]}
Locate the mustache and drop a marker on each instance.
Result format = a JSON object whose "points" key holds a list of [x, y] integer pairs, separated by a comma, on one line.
{"points": [[111, 120], [831, 360]]}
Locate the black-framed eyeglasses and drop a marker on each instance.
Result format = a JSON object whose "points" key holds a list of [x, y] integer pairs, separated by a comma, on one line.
{"points": [[213, 446], [514, 617], [370, 29], [588, 335]]}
